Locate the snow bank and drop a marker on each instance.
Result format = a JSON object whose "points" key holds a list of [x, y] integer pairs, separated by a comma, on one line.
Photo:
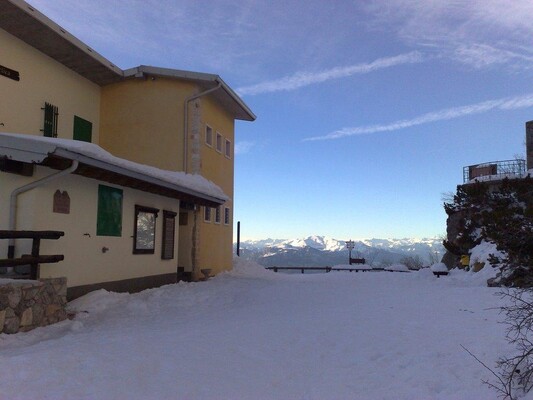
{"points": [[482, 252], [250, 269], [397, 268], [269, 336], [439, 267], [98, 301]]}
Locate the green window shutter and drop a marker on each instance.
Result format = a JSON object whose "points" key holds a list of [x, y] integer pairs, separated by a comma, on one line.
{"points": [[83, 129], [109, 219]]}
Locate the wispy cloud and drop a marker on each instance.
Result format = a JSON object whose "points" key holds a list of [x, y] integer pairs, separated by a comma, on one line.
{"points": [[507, 103], [301, 79], [478, 33], [483, 55], [243, 147]]}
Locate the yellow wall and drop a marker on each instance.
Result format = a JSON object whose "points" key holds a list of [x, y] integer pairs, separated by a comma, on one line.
{"points": [[216, 240], [142, 121], [137, 119], [43, 79], [85, 263]]}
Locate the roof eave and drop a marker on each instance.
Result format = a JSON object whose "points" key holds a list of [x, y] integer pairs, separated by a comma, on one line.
{"points": [[59, 152], [23, 21], [243, 112], [53, 156]]}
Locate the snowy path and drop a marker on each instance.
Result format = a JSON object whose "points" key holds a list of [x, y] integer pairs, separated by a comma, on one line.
{"points": [[266, 336]]}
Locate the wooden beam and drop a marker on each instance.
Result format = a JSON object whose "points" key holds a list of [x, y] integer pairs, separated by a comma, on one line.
{"points": [[31, 234], [13, 262]]}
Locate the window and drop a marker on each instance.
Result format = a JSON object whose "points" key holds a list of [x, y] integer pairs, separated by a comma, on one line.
{"points": [[83, 130], [208, 136], [217, 215], [226, 216], [109, 218], [219, 142], [227, 148], [207, 214], [184, 219], [169, 230], [144, 234], [51, 115]]}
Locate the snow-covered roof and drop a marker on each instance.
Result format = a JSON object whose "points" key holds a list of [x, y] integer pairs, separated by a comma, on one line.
{"points": [[97, 163]]}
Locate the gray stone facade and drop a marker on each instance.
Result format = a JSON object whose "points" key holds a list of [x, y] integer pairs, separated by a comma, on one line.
{"points": [[26, 305]]}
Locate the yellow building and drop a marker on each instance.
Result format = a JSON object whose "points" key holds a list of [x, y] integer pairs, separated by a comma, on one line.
{"points": [[61, 105]]}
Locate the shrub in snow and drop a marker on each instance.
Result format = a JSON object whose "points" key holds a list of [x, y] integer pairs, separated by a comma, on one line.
{"points": [[499, 213], [412, 262], [514, 375]]}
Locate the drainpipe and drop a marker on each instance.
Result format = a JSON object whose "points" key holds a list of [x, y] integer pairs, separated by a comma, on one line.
{"points": [[25, 188], [185, 122]]}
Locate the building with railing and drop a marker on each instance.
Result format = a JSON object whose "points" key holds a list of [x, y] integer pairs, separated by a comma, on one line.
{"points": [[494, 171]]}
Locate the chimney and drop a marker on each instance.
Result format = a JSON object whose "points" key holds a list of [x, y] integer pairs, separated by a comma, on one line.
{"points": [[529, 144]]}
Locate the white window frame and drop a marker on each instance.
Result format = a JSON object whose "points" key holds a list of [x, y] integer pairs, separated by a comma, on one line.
{"points": [[207, 214], [208, 138], [219, 142], [227, 148], [227, 217]]}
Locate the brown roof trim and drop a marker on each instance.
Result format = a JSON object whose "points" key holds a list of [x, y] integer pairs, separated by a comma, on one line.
{"points": [[31, 26]]}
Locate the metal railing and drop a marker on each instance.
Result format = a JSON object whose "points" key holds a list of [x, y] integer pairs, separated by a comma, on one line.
{"points": [[494, 171]]}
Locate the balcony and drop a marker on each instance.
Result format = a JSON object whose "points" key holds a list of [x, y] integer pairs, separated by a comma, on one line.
{"points": [[494, 171]]}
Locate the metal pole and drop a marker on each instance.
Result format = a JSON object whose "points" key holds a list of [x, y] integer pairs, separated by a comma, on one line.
{"points": [[238, 238]]}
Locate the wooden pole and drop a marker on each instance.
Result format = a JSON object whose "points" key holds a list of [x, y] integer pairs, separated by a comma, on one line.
{"points": [[238, 238]]}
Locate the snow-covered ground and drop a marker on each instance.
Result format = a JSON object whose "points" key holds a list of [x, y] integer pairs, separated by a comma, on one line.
{"points": [[255, 334]]}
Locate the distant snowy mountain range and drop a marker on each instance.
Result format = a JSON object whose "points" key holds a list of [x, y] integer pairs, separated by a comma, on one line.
{"points": [[321, 250]]}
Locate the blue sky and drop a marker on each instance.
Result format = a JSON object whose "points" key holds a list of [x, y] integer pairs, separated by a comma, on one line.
{"points": [[367, 110]]}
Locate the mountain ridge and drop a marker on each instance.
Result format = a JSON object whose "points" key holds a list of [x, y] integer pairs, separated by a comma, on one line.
{"points": [[318, 250]]}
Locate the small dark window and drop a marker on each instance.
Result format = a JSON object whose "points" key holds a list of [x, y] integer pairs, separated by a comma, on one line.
{"points": [[226, 216], [109, 219], [169, 230], [207, 214], [83, 130], [208, 136], [51, 115], [217, 215], [144, 234], [227, 148], [219, 142]]}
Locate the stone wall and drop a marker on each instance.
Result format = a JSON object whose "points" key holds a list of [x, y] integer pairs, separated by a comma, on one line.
{"points": [[25, 304]]}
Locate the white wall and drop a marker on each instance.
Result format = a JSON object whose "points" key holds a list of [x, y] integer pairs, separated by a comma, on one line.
{"points": [[85, 263]]}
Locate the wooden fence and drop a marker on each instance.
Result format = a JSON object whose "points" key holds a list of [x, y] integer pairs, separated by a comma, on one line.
{"points": [[33, 259]]}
